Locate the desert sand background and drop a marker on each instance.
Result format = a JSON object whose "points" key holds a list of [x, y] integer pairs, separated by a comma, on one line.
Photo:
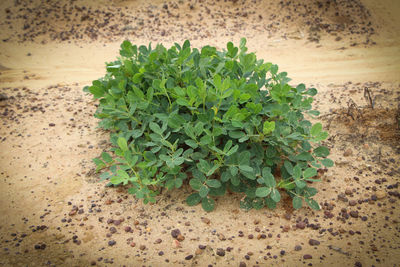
{"points": [[53, 210]]}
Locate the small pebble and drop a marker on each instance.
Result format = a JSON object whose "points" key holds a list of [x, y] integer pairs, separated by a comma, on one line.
{"points": [[348, 191], [175, 233], [380, 194], [354, 214], [301, 225], [220, 252], [352, 202], [205, 220], [313, 242], [348, 153]]}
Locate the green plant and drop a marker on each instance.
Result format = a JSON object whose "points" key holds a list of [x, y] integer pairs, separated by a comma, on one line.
{"points": [[221, 120]]}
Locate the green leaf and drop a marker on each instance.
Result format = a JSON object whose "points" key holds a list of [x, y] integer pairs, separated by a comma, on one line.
{"points": [[310, 191], [150, 156], [313, 180], [198, 128], [269, 179], [122, 144], [227, 146], [321, 151], [155, 128], [246, 204], [196, 184], [275, 196], [116, 180], [213, 183], [321, 136], [170, 184], [300, 183], [204, 191], [175, 121], [327, 162], [236, 134], [205, 140], [288, 185], [217, 81], [235, 180], [225, 176], [305, 156], [263, 191], [245, 168], [270, 203], [208, 204], [216, 192], [193, 199], [234, 170], [213, 169], [178, 182], [198, 175], [193, 144], [127, 50], [96, 91], [274, 69], [288, 166], [297, 202], [316, 129], [313, 112], [268, 127], [297, 172], [106, 157], [137, 78], [183, 102], [104, 176], [232, 150], [244, 157], [309, 172], [312, 204], [312, 91]]}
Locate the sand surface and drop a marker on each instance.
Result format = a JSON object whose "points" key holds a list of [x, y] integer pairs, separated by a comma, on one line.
{"points": [[55, 212]]}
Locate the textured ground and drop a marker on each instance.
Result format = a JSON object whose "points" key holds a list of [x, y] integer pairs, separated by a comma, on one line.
{"points": [[53, 210]]}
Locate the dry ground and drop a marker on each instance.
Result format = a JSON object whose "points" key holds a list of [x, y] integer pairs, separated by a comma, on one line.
{"points": [[53, 210]]}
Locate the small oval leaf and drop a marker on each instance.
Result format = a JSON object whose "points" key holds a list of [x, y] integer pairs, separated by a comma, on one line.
{"points": [[208, 204], [193, 199], [297, 202]]}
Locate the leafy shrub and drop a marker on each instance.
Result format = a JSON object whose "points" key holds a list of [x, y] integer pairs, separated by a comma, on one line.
{"points": [[221, 120]]}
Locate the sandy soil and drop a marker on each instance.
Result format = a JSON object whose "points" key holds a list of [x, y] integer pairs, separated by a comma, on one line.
{"points": [[53, 210]]}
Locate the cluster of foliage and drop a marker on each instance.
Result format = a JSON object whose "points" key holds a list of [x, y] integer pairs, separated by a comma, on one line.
{"points": [[221, 120]]}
